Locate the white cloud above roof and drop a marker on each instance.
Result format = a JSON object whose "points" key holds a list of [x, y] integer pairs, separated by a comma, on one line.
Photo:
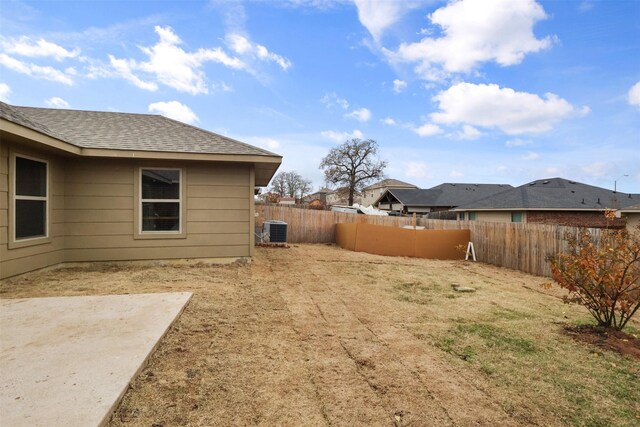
{"points": [[174, 110], [5, 90], [57, 102], [241, 45], [378, 15], [475, 32], [341, 136], [399, 85], [427, 129], [633, 97], [493, 107], [361, 115], [25, 46], [37, 71]]}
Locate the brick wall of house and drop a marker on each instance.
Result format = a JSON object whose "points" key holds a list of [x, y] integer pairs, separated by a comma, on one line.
{"points": [[574, 219]]}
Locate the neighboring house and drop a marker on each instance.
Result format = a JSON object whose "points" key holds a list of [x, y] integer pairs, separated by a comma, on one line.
{"points": [[287, 201], [631, 215], [340, 196], [317, 199], [442, 197], [103, 186], [550, 201], [373, 192]]}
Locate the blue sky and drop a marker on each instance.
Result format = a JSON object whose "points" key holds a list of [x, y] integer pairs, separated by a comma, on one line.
{"points": [[503, 91]]}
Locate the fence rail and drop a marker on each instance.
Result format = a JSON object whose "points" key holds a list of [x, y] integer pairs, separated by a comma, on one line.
{"points": [[512, 245]]}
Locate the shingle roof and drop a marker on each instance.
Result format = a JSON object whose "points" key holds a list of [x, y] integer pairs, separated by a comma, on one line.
{"points": [[554, 193], [125, 131], [389, 183], [447, 194]]}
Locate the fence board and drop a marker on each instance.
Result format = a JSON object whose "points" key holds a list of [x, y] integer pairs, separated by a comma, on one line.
{"points": [[519, 246]]}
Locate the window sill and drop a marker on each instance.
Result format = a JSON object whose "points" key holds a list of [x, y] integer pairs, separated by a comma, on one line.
{"points": [[17, 244], [159, 236]]}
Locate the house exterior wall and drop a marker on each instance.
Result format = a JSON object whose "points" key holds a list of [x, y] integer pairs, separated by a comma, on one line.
{"points": [[573, 218], [633, 220], [18, 257], [94, 206], [369, 196], [493, 216]]}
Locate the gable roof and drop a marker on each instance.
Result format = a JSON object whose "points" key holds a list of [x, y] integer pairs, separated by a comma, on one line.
{"points": [[127, 131], [390, 183], [444, 195], [109, 134], [553, 193]]}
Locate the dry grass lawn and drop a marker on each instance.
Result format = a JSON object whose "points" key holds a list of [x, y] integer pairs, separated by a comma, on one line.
{"points": [[316, 335]]}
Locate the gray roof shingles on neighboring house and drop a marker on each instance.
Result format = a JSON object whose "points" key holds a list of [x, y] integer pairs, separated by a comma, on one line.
{"points": [[445, 195], [390, 183], [553, 193], [125, 131]]}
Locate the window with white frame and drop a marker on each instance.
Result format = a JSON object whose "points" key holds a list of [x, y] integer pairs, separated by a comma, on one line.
{"points": [[30, 198], [160, 200]]}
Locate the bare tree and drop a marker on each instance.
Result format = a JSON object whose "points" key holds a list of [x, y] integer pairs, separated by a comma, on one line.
{"points": [[290, 184], [353, 164]]}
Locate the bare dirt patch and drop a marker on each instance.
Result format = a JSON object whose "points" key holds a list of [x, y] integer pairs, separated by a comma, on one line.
{"points": [[316, 335], [623, 343]]}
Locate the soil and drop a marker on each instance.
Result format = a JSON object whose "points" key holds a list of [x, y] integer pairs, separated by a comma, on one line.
{"points": [[619, 341], [316, 335]]}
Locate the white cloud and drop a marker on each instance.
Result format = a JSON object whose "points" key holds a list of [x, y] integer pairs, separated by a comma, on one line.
{"points": [[361, 114], [633, 97], [475, 32], [221, 87], [598, 169], [241, 45], [399, 85], [427, 129], [341, 136], [174, 110], [517, 142], [388, 121], [5, 90], [331, 100], [378, 15], [37, 71], [417, 170], [456, 174], [468, 132], [264, 142], [56, 102], [25, 46], [490, 106], [531, 156], [171, 65]]}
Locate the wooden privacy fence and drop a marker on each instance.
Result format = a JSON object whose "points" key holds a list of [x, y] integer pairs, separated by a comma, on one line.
{"points": [[512, 245]]}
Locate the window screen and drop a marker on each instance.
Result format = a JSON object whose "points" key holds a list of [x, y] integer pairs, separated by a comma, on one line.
{"points": [[160, 201], [30, 198], [516, 216]]}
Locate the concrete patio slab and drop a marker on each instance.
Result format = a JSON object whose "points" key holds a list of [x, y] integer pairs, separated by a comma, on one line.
{"points": [[67, 361]]}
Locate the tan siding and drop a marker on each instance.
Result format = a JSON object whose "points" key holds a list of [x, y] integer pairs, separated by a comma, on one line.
{"points": [[99, 215], [86, 171], [96, 202], [4, 200], [217, 215], [4, 179], [98, 228], [101, 190], [4, 235], [217, 191], [29, 251], [218, 203], [22, 265], [21, 258], [96, 242], [130, 254], [217, 227], [212, 175]]}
